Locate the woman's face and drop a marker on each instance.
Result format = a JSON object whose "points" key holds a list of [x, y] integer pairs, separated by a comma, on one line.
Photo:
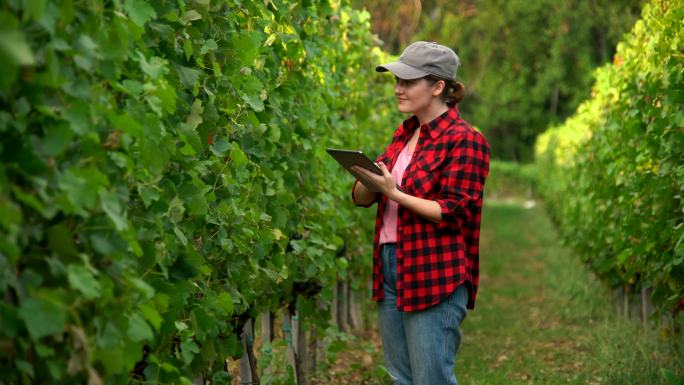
{"points": [[415, 95]]}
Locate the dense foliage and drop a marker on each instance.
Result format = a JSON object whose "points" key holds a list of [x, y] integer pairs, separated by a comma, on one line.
{"points": [[163, 176], [613, 174], [526, 64]]}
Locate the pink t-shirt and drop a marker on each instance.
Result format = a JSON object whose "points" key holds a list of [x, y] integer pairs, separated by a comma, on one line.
{"points": [[388, 233]]}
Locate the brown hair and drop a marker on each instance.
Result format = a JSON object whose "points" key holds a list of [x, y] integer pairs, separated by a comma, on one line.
{"points": [[453, 92]]}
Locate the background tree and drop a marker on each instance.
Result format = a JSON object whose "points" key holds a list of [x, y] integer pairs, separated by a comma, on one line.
{"points": [[526, 64]]}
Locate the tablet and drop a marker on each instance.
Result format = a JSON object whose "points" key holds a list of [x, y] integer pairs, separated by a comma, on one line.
{"points": [[349, 158]]}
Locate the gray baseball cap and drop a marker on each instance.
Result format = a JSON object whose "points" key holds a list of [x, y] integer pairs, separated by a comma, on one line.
{"points": [[424, 58]]}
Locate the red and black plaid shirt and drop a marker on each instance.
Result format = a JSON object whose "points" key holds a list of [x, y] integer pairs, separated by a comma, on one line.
{"points": [[449, 165]]}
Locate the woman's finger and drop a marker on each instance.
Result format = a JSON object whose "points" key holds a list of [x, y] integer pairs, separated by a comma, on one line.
{"points": [[368, 175], [384, 169], [359, 172]]}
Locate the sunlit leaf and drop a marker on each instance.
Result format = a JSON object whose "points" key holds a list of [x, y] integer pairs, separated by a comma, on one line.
{"points": [[81, 279], [140, 11]]}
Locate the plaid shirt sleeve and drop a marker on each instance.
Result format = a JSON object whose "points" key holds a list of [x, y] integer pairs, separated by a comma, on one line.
{"points": [[464, 177]]}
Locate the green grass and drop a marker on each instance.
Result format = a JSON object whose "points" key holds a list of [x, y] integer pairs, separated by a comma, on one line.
{"points": [[541, 318]]}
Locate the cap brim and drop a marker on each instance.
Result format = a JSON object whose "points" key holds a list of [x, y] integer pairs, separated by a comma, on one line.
{"points": [[402, 71]]}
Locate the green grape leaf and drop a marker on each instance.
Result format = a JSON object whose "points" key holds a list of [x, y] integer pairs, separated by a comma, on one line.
{"points": [[42, 317], [154, 68], [208, 46], [10, 213], [56, 139], [181, 235], [176, 210], [225, 301], [193, 198], [140, 11], [221, 146], [254, 101], [189, 349], [15, 49], [81, 186], [112, 359], [238, 156], [187, 75], [191, 16], [167, 96], [188, 49], [151, 315], [78, 116], [111, 206], [125, 123], [81, 279], [138, 329], [247, 43]]}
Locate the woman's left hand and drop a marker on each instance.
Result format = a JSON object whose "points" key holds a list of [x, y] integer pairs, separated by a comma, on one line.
{"points": [[384, 183]]}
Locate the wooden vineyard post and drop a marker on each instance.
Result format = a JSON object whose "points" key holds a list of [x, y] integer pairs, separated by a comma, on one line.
{"points": [[301, 347], [334, 314], [345, 305], [646, 306], [311, 349], [292, 335], [635, 308], [625, 302], [248, 368], [341, 308], [267, 319], [354, 311], [299, 335]]}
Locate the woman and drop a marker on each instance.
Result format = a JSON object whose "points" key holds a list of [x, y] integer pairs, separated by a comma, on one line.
{"points": [[425, 259]]}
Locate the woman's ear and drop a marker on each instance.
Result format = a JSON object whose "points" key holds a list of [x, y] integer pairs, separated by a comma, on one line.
{"points": [[438, 87]]}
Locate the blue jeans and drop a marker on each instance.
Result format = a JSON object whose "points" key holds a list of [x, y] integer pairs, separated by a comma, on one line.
{"points": [[420, 347]]}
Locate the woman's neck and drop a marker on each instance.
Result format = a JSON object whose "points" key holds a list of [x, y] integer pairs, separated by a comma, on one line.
{"points": [[431, 112]]}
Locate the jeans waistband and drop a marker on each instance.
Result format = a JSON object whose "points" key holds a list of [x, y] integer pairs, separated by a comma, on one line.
{"points": [[389, 245]]}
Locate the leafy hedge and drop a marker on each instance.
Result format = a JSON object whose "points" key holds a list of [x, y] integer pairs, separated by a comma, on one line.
{"points": [[613, 174], [164, 177]]}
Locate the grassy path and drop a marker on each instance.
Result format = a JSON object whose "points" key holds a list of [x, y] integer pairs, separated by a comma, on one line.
{"points": [[540, 318], [531, 324]]}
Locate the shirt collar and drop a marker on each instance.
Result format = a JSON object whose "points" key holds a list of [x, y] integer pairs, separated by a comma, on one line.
{"points": [[435, 127]]}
